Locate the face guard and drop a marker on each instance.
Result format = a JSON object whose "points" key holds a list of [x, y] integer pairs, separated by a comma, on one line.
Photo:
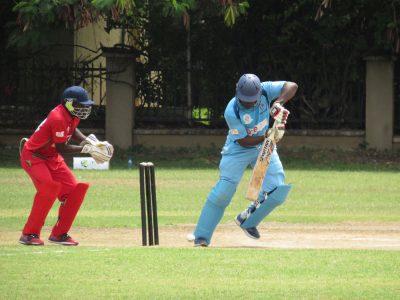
{"points": [[76, 109], [77, 102]]}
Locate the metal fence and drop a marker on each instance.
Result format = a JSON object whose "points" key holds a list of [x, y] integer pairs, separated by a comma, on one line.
{"points": [[166, 97], [31, 87], [165, 101]]}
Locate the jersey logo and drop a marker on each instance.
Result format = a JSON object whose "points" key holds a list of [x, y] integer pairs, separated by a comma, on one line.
{"points": [[247, 119], [262, 108], [60, 134], [259, 127], [234, 131]]}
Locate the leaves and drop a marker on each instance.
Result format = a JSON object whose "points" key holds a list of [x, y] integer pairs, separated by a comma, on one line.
{"points": [[75, 14], [325, 4], [230, 15], [233, 10], [125, 6]]}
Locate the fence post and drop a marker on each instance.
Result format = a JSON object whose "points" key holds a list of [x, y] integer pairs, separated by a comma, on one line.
{"points": [[379, 114], [120, 91]]}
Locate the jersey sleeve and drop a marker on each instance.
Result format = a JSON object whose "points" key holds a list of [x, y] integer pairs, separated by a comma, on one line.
{"points": [[58, 131], [273, 89], [237, 130]]}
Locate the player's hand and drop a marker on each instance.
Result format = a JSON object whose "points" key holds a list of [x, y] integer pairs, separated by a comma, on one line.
{"points": [[91, 139], [107, 146], [276, 133], [100, 154], [279, 113]]}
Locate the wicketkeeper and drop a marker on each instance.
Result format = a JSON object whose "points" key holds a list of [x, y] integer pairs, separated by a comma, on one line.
{"points": [[41, 159], [247, 115]]}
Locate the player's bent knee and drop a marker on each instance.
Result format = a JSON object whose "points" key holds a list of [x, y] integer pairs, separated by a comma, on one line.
{"points": [[274, 199], [82, 186], [80, 190], [49, 188], [77, 189], [222, 193], [279, 195]]}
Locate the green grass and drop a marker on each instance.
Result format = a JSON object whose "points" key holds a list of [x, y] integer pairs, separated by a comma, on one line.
{"points": [[319, 196], [329, 187], [139, 273]]}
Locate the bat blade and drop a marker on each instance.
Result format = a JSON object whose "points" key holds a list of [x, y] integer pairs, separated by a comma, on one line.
{"points": [[263, 159], [260, 168]]}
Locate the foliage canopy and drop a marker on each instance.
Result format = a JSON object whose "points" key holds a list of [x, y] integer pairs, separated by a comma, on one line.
{"points": [[36, 15], [320, 44]]}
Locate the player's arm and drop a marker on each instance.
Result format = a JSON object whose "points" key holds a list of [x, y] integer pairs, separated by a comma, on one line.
{"points": [[101, 153], [78, 136], [277, 111], [250, 141], [288, 91], [67, 148]]}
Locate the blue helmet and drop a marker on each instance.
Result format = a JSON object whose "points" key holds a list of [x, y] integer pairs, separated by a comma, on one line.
{"points": [[248, 88], [77, 102]]}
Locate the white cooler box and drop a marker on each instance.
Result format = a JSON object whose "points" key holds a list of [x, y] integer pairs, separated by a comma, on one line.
{"points": [[88, 163]]}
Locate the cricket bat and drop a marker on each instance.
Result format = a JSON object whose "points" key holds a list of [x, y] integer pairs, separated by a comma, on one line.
{"points": [[263, 160]]}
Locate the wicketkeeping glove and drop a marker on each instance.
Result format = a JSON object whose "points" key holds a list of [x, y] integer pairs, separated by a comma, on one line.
{"points": [[279, 113], [91, 139], [100, 154]]}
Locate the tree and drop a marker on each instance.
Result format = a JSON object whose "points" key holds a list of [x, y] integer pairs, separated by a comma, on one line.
{"points": [[35, 17], [381, 15]]}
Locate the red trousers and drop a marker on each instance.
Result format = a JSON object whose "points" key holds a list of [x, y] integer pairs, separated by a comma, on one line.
{"points": [[52, 179]]}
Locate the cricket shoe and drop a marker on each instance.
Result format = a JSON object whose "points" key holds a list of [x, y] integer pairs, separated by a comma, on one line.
{"points": [[251, 232], [30, 240], [63, 239], [200, 242]]}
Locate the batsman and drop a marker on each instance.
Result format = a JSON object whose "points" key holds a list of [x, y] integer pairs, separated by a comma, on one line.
{"points": [[42, 160], [250, 142]]}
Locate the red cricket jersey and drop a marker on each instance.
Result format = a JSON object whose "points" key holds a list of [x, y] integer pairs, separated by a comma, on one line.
{"points": [[58, 127]]}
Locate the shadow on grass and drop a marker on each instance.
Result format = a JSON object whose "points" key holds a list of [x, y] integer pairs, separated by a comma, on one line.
{"points": [[208, 158]]}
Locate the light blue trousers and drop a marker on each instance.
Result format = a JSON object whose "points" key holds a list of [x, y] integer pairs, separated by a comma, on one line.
{"points": [[232, 167]]}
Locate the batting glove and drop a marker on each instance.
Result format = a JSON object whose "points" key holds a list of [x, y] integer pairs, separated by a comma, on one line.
{"points": [[276, 133], [279, 113]]}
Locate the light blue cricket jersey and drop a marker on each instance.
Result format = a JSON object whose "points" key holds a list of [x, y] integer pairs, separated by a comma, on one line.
{"points": [[253, 121]]}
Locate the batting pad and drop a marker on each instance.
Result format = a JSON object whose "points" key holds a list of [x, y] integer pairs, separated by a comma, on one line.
{"points": [[274, 199]]}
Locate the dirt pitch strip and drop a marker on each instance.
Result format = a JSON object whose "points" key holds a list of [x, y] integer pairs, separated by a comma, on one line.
{"points": [[372, 236]]}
